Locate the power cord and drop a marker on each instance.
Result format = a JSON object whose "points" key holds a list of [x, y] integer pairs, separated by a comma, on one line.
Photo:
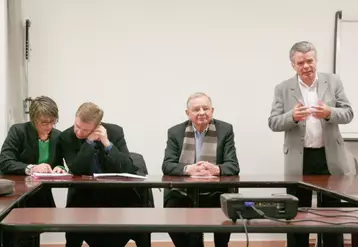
{"points": [[305, 209], [245, 228], [263, 215], [327, 215]]}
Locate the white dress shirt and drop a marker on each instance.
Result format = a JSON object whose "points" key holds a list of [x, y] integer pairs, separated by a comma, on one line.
{"points": [[314, 132]]}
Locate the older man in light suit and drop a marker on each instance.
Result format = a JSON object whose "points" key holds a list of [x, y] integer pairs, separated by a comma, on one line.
{"points": [[308, 108]]}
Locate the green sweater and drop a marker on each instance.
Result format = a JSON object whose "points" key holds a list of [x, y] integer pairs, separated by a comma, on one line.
{"points": [[44, 153]]}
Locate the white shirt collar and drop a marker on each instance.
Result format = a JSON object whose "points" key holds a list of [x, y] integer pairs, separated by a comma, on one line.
{"points": [[314, 84]]}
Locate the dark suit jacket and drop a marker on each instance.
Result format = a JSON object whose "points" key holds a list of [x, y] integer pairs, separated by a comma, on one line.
{"points": [[21, 148], [79, 156], [226, 157]]}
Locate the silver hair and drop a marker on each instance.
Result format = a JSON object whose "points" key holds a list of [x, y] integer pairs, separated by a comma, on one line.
{"points": [[302, 46], [197, 95]]}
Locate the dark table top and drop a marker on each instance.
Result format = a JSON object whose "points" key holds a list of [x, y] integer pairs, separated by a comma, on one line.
{"points": [[342, 186], [168, 219], [8, 201], [345, 187], [157, 181]]}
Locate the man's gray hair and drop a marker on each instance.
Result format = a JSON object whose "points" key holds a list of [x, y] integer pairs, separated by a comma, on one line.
{"points": [[302, 46], [197, 95]]}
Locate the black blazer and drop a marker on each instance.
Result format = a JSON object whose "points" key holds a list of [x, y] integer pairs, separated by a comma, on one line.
{"points": [[21, 148], [226, 157], [79, 154], [79, 157]]}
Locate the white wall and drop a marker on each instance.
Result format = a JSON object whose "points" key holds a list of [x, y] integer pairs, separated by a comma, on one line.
{"points": [[347, 66], [140, 60], [17, 89], [3, 69], [13, 88]]}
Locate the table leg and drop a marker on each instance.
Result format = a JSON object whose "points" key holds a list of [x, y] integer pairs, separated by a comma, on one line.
{"points": [[36, 240], [196, 239], [10, 239], [147, 237], [319, 235], [144, 240], [195, 196], [354, 240]]}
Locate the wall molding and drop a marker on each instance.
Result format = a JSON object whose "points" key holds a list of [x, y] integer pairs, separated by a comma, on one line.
{"points": [[279, 243], [268, 243]]}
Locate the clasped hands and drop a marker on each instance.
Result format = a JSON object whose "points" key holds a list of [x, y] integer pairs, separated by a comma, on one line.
{"points": [[202, 168], [100, 134], [302, 112]]}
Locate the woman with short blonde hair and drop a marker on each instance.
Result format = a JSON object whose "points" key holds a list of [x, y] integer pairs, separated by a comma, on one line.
{"points": [[32, 147]]}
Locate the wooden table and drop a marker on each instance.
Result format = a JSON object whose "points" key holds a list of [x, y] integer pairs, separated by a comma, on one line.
{"points": [[343, 186], [339, 186], [194, 184], [21, 191], [157, 181], [39, 220]]}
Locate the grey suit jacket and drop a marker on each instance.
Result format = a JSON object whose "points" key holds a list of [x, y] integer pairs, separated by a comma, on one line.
{"points": [[331, 91]]}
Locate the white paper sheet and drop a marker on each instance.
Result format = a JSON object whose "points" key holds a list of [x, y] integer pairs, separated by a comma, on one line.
{"points": [[50, 175], [203, 176], [127, 175]]}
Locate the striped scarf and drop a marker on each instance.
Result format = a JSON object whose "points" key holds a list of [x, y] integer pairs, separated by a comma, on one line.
{"points": [[208, 149], [208, 152]]}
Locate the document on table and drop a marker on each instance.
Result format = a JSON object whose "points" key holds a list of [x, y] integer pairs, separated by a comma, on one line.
{"points": [[203, 176], [50, 175], [127, 175]]}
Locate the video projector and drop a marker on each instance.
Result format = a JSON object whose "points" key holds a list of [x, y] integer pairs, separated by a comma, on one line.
{"points": [[281, 206]]}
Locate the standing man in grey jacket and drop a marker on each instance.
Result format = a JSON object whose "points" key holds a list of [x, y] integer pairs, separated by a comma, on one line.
{"points": [[308, 108]]}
